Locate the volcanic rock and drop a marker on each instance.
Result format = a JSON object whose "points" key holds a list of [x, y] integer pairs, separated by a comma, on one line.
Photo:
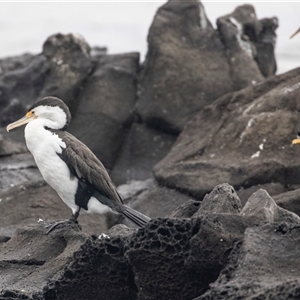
{"points": [[31, 258], [239, 50], [188, 66], [8, 147], [17, 169], [142, 149], [289, 200], [105, 105], [69, 63], [243, 138], [21, 82], [264, 266]]}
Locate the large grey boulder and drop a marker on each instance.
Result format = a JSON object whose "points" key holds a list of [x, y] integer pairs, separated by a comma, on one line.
{"points": [[189, 64], [243, 138]]}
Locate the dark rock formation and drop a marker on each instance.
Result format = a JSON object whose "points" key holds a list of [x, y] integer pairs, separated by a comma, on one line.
{"points": [[262, 35], [69, 63], [32, 257], [205, 240], [264, 266], [8, 147], [243, 138], [21, 82], [186, 255], [142, 149], [289, 200], [188, 66], [17, 169], [105, 105]]}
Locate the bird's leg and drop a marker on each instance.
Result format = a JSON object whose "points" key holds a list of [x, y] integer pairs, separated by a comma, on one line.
{"points": [[72, 219], [75, 216]]}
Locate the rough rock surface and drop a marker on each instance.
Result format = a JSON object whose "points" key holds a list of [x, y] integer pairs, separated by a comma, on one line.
{"points": [[105, 105], [17, 169], [142, 149], [8, 147], [186, 255], [289, 200], [69, 63], [243, 138], [268, 270], [20, 84], [32, 201], [189, 66], [221, 245], [31, 257]]}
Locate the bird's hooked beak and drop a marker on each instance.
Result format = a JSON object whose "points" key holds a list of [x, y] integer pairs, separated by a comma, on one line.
{"points": [[26, 119]]}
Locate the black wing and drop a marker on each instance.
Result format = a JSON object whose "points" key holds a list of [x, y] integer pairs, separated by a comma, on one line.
{"points": [[83, 164]]}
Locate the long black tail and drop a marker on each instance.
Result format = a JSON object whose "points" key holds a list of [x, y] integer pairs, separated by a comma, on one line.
{"points": [[134, 216]]}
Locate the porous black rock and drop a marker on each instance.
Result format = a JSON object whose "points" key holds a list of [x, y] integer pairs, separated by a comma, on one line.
{"points": [[99, 270]]}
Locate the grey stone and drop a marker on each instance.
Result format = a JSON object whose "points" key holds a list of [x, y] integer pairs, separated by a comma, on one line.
{"points": [[243, 138]]}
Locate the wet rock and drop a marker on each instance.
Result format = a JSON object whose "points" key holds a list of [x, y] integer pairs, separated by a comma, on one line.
{"points": [[266, 271], [105, 105], [69, 63], [243, 138], [142, 149]]}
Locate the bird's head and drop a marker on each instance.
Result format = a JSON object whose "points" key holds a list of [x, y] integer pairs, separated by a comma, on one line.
{"points": [[297, 140], [50, 111]]}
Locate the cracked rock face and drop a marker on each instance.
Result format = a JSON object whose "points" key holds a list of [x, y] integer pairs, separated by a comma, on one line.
{"points": [[243, 138]]}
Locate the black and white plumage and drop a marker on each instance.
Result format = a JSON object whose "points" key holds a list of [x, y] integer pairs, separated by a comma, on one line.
{"points": [[69, 166]]}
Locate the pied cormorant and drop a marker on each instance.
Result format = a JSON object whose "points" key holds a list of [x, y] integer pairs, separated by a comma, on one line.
{"points": [[68, 165]]}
